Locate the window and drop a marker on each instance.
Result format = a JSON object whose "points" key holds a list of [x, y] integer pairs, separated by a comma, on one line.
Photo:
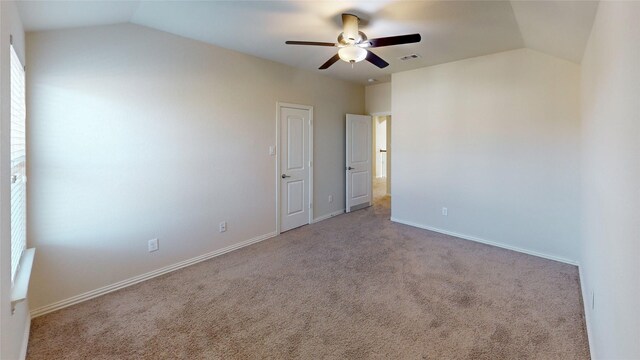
{"points": [[18, 162]]}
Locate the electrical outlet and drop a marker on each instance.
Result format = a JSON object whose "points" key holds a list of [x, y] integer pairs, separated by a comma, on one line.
{"points": [[152, 245], [444, 211], [330, 198], [223, 226]]}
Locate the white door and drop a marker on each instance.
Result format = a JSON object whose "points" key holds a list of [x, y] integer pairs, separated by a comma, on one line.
{"points": [[294, 167], [358, 162]]}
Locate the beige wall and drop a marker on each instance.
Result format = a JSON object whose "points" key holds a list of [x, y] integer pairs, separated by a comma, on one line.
{"points": [[378, 98], [136, 134], [13, 327], [610, 257], [496, 140]]}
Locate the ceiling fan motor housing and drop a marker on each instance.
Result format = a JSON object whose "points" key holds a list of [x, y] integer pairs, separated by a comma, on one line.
{"points": [[343, 41]]}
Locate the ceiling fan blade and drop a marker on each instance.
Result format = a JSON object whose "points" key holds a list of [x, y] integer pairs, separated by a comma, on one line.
{"points": [[394, 40], [376, 60], [312, 43], [330, 62]]}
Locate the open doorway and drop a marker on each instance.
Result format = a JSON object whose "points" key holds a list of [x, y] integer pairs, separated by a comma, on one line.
{"points": [[381, 157]]}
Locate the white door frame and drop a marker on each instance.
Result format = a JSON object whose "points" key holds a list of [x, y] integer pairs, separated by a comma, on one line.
{"points": [[280, 105]]}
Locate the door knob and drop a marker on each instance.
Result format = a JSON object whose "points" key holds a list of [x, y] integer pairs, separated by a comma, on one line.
{"points": [[350, 168], [284, 176]]}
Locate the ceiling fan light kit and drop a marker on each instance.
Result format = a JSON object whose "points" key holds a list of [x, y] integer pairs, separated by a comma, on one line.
{"points": [[352, 54], [353, 44]]}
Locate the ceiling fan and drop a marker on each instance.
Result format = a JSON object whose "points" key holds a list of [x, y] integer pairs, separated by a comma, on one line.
{"points": [[353, 44]]}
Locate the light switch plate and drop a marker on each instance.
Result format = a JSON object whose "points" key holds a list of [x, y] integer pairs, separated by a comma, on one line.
{"points": [[153, 245]]}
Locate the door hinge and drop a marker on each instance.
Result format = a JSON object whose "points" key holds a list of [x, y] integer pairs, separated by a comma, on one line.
{"points": [[310, 205], [310, 163]]}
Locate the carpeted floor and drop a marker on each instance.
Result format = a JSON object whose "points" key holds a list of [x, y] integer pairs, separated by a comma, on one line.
{"points": [[355, 286]]}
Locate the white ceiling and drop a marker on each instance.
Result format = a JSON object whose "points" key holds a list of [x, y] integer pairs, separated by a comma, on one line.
{"points": [[451, 30]]}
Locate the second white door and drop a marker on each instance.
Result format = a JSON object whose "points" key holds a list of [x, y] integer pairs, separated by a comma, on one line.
{"points": [[358, 175], [295, 163]]}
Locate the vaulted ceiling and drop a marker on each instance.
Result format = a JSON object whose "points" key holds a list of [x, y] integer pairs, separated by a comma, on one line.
{"points": [[451, 30]]}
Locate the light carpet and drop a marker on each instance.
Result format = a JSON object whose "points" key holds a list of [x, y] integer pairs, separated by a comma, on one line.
{"points": [[355, 286]]}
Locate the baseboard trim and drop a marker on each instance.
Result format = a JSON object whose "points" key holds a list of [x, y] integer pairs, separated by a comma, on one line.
{"points": [[137, 279], [328, 216], [25, 338], [587, 311], [487, 242]]}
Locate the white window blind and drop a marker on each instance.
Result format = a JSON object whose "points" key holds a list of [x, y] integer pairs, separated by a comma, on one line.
{"points": [[18, 162]]}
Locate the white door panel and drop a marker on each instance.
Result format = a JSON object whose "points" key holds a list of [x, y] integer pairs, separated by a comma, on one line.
{"points": [[294, 167], [295, 194], [358, 139], [295, 143], [359, 184]]}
